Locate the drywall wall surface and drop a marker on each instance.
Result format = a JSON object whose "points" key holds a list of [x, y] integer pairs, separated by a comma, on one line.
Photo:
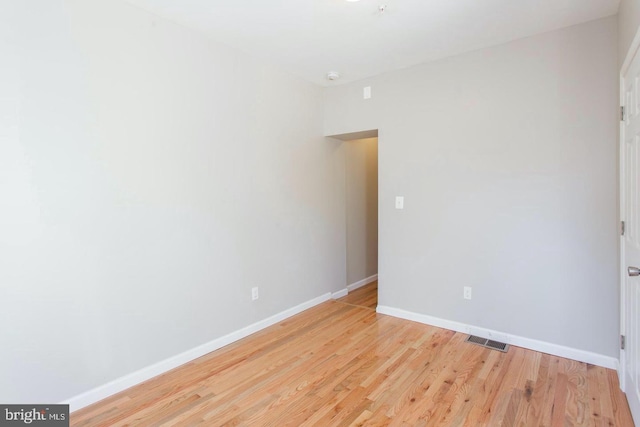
{"points": [[362, 208], [149, 178], [506, 159], [628, 24]]}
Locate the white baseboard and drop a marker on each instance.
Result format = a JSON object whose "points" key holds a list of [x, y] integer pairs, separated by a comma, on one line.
{"points": [[352, 287], [144, 374], [341, 293], [531, 344]]}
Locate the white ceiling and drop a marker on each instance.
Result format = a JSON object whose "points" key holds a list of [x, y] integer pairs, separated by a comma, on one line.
{"points": [[312, 37]]}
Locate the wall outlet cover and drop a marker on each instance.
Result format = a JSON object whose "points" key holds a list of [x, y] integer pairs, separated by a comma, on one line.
{"points": [[399, 202]]}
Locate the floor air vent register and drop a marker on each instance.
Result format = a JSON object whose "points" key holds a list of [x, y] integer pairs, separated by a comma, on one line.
{"points": [[494, 345]]}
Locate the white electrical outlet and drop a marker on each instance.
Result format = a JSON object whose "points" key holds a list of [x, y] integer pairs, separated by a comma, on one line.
{"points": [[467, 292], [254, 294]]}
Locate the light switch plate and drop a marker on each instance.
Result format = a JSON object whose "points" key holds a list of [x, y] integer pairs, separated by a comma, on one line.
{"points": [[399, 202]]}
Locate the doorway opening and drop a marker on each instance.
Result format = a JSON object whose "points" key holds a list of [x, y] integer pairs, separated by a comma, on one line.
{"points": [[361, 206]]}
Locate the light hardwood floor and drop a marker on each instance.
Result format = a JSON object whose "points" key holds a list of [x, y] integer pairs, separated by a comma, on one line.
{"points": [[366, 296], [338, 364]]}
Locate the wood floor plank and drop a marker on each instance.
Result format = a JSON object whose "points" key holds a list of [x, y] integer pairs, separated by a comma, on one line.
{"points": [[621, 411], [340, 364], [550, 384], [559, 414], [489, 393], [535, 393], [593, 397]]}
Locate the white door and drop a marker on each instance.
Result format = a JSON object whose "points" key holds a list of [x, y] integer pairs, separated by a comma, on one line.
{"points": [[630, 247]]}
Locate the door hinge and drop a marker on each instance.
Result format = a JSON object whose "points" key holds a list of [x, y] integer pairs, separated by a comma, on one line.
{"points": [[622, 228], [622, 342], [622, 114]]}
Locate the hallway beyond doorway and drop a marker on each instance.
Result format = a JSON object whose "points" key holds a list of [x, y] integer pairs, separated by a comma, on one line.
{"points": [[366, 296]]}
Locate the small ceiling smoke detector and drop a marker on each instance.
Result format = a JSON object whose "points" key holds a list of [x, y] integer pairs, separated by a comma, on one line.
{"points": [[333, 75]]}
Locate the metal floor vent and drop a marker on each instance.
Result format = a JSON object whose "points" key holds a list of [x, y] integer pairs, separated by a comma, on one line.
{"points": [[494, 345]]}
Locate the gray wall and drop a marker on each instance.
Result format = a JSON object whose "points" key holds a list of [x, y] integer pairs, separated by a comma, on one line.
{"points": [[148, 179], [362, 208], [628, 23], [507, 160]]}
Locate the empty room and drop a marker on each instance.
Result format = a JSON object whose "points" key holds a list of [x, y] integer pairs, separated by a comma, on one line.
{"points": [[320, 212]]}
